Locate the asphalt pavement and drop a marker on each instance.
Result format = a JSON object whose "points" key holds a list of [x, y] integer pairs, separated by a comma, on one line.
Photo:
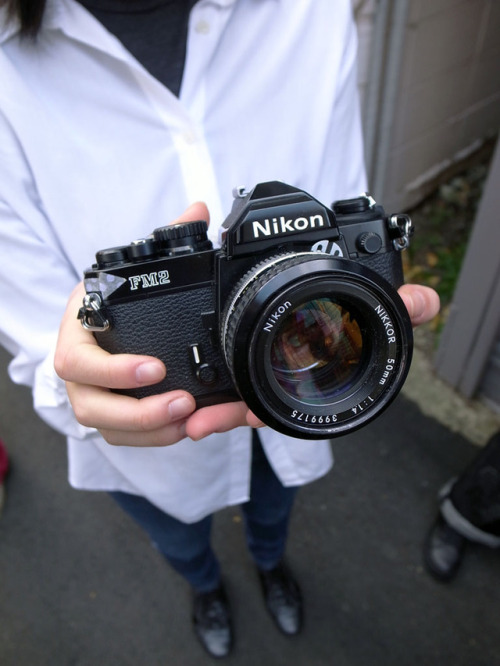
{"points": [[80, 585]]}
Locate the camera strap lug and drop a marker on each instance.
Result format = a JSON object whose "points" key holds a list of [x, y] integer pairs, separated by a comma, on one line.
{"points": [[400, 229], [91, 314]]}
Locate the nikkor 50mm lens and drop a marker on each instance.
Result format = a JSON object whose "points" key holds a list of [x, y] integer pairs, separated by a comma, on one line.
{"points": [[316, 345]]}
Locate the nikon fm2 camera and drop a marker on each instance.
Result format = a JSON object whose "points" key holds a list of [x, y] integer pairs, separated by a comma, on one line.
{"points": [[297, 314]]}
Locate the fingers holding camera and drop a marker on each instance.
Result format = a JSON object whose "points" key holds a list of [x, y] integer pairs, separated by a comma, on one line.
{"points": [[421, 302], [89, 373], [197, 211], [158, 420], [220, 418], [80, 360]]}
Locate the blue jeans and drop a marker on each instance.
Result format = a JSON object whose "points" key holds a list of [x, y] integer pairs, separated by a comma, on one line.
{"points": [[187, 547]]}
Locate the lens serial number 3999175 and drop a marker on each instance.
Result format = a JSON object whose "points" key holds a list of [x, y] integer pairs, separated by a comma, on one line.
{"points": [[313, 418]]}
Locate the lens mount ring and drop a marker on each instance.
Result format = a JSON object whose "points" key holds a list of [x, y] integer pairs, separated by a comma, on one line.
{"points": [[269, 298]]}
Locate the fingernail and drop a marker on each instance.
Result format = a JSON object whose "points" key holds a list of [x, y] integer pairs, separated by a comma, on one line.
{"points": [[180, 408], [149, 373]]}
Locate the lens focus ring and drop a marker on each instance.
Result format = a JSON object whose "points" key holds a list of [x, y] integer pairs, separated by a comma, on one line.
{"points": [[244, 293]]}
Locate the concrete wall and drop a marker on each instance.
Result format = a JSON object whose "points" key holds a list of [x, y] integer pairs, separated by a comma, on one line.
{"points": [[430, 83], [468, 356], [429, 77]]}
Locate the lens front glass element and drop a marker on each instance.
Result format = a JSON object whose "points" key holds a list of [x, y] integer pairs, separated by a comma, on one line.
{"points": [[317, 352]]}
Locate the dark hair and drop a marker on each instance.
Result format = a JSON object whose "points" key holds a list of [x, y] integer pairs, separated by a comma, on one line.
{"points": [[29, 13]]}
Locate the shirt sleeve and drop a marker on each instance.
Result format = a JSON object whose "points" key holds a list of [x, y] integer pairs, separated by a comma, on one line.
{"points": [[35, 282]]}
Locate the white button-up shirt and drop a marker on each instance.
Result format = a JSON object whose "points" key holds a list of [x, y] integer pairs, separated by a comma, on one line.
{"points": [[95, 152]]}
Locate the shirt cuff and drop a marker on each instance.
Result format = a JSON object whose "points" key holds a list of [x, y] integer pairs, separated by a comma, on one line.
{"points": [[52, 404]]}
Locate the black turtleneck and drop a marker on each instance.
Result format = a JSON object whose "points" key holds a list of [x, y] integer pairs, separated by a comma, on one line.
{"points": [[154, 31]]}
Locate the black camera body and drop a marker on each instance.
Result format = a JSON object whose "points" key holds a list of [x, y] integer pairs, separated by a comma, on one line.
{"points": [[297, 313]]}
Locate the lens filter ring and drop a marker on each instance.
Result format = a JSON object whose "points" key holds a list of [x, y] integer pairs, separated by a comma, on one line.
{"points": [[317, 346]]}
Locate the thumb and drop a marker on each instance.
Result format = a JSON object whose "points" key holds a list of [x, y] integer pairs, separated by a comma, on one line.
{"points": [[421, 302], [196, 211]]}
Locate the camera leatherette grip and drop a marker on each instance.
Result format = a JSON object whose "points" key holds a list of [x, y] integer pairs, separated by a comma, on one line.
{"points": [[148, 329], [388, 265]]}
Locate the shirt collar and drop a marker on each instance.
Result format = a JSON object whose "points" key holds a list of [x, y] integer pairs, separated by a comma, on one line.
{"points": [[59, 14]]}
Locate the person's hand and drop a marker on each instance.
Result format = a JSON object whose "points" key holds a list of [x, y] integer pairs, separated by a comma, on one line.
{"points": [[421, 302], [158, 420]]}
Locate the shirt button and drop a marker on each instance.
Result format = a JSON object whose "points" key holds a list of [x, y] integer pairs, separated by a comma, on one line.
{"points": [[202, 27]]}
